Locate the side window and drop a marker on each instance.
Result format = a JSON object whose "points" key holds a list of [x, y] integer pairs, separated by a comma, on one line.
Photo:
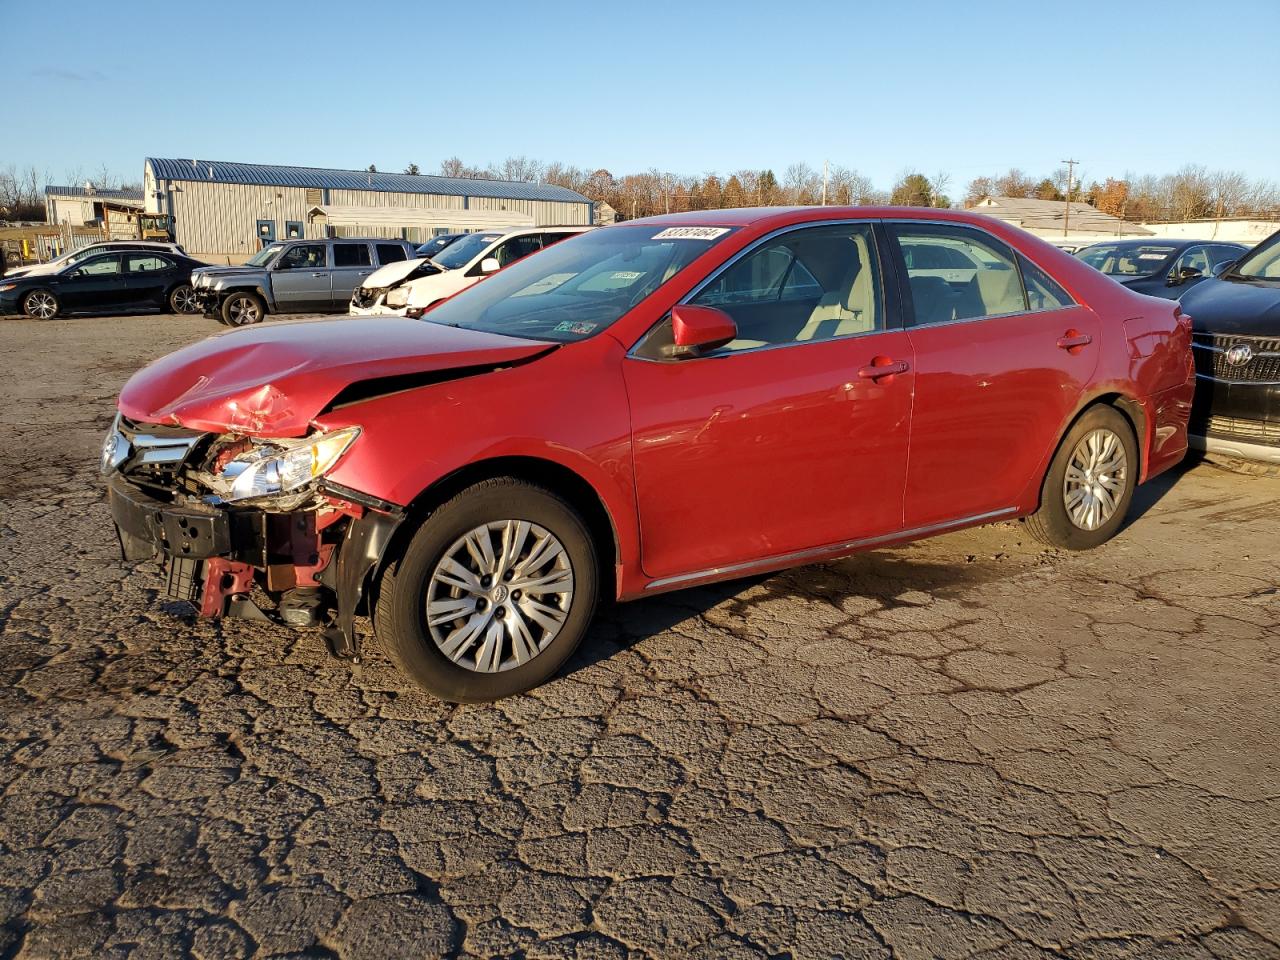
{"points": [[1193, 258], [305, 256], [1219, 254], [1043, 292], [140, 263], [958, 274], [99, 267], [351, 255], [390, 253], [812, 284], [549, 238], [518, 247]]}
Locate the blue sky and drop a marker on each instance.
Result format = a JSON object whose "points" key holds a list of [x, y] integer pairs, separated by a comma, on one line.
{"points": [[692, 87]]}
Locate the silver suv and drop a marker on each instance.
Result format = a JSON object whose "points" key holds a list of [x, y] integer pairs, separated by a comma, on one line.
{"points": [[294, 276]]}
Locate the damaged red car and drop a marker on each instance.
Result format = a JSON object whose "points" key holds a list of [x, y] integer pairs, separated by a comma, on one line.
{"points": [[645, 407]]}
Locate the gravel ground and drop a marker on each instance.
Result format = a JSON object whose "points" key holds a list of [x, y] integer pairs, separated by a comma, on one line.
{"points": [[967, 747]]}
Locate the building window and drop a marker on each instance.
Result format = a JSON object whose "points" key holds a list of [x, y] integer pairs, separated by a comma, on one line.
{"points": [[266, 232], [293, 230]]}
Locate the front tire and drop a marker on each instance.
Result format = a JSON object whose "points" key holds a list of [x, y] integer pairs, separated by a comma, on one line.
{"points": [[242, 309], [1090, 483], [41, 305], [182, 299], [493, 593]]}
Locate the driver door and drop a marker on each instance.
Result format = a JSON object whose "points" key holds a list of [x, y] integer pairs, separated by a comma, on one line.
{"points": [[786, 440], [97, 283], [301, 280]]}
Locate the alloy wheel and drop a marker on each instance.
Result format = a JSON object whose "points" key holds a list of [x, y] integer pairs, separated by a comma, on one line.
{"points": [[243, 310], [41, 305], [499, 595], [1095, 479], [184, 299]]}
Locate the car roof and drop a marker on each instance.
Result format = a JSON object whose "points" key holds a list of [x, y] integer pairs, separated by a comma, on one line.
{"points": [[773, 217]]}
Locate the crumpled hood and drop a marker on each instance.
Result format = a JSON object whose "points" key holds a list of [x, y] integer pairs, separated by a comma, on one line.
{"points": [[393, 273], [1234, 307], [273, 380]]}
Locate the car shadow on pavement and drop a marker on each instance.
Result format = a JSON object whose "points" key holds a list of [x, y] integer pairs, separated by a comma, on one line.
{"points": [[1148, 494], [877, 579]]}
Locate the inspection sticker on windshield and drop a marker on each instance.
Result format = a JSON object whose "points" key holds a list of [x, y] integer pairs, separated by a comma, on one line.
{"points": [[579, 327], [626, 275], [691, 233], [1152, 256]]}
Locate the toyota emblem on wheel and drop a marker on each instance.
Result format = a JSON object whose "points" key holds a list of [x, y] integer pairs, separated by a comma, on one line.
{"points": [[1239, 355]]}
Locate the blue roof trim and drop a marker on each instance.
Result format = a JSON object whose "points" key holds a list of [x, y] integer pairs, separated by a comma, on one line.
{"points": [[265, 175], [104, 194]]}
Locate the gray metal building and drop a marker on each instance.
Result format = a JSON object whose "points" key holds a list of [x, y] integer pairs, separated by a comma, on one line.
{"points": [[226, 211]]}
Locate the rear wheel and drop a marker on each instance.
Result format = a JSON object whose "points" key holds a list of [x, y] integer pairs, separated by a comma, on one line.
{"points": [[493, 593], [182, 299], [242, 309], [41, 304], [1090, 483]]}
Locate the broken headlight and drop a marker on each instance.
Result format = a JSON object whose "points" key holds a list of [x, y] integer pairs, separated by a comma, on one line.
{"points": [[271, 468], [397, 296]]}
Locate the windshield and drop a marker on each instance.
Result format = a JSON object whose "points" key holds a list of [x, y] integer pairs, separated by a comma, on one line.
{"points": [[1263, 263], [264, 255], [578, 287], [1127, 259], [461, 252]]}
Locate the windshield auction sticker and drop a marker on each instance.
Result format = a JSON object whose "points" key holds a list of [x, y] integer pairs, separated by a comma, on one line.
{"points": [[691, 233]]}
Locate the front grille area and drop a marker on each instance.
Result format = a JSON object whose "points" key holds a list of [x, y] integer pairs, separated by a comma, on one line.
{"points": [[1234, 428], [367, 297], [157, 455], [1211, 358]]}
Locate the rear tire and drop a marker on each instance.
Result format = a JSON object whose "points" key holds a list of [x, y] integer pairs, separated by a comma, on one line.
{"points": [[517, 566], [241, 309], [1090, 483], [182, 299], [41, 305]]}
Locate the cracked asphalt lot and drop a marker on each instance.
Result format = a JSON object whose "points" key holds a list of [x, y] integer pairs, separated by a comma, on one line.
{"points": [[967, 747]]}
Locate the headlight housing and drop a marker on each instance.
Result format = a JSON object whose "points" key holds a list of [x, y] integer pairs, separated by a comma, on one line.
{"points": [[273, 468], [397, 296]]}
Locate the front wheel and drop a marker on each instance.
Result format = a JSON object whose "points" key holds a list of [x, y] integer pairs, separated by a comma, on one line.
{"points": [[242, 309], [492, 595], [1090, 483], [41, 304], [182, 299]]}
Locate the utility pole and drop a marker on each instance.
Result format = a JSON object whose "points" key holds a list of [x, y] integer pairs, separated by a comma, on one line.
{"points": [[824, 183], [1066, 220]]}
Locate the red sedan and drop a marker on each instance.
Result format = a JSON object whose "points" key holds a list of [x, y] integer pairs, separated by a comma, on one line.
{"points": [[641, 408]]}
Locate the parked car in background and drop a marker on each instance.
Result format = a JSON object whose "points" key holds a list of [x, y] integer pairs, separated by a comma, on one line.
{"points": [[648, 406], [436, 244], [83, 253], [294, 276], [110, 282], [1236, 341], [1159, 268], [409, 289]]}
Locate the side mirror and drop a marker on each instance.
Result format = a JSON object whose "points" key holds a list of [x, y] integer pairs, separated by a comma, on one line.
{"points": [[1219, 269], [1183, 275], [698, 330], [490, 265]]}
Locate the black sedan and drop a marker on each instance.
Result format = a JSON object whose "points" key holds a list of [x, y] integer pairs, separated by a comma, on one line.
{"points": [[1236, 339], [1159, 268], [108, 282]]}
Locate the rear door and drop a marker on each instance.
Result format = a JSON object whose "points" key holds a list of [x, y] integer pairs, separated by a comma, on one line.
{"points": [[300, 279], [351, 264], [148, 277], [999, 367]]}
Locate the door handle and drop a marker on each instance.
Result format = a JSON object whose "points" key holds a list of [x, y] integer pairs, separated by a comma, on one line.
{"points": [[1071, 341], [319, 276], [883, 367]]}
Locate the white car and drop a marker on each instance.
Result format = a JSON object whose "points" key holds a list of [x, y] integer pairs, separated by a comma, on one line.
{"points": [[412, 286], [75, 256]]}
